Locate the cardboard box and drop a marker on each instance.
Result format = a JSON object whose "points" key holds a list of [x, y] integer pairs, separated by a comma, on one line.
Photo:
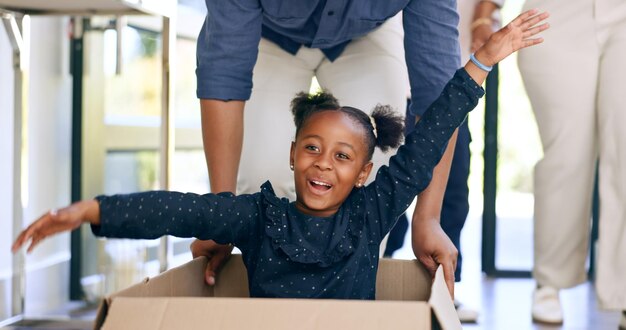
{"points": [[406, 298]]}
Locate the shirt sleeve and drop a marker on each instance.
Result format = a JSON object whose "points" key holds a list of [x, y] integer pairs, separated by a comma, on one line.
{"points": [[222, 217], [410, 170], [227, 49], [431, 48]]}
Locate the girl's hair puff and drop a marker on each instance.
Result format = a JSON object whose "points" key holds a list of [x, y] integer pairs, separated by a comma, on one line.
{"points": [[305, 104], [389, 125]]}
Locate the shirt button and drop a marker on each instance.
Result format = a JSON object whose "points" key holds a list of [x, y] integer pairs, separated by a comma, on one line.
{"points": [[331, 13]]}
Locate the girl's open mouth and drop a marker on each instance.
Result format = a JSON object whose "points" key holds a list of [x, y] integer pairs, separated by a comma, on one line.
{"points": [[319, 186]]}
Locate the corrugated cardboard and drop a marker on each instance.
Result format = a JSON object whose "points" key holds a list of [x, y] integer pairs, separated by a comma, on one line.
{"points": [[179, 299]]}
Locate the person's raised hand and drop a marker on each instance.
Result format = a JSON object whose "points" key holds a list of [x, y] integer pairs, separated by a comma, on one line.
{"points": [[216, 254], [56, 221], [516, 35], [432, 247]]}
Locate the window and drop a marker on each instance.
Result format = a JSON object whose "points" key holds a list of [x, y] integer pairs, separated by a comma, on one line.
{"points": [[123, 144]]}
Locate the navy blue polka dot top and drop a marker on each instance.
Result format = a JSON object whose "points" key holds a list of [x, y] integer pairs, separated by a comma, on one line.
{"points": [[288, 253]]}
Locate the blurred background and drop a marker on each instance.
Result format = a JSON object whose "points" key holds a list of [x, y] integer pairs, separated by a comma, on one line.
{"points": [[116, 147]]}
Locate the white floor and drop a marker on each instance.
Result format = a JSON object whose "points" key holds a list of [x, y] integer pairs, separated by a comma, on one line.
{"points": [[505, 303]]}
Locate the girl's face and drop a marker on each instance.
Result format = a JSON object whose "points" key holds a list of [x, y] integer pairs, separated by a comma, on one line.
{"points": [[329, 158]]}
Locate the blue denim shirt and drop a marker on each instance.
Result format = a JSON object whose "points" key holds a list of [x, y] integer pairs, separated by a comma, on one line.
{"points": [[229, 39]]}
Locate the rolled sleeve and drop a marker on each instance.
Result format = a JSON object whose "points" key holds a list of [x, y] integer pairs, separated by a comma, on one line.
{"points": [[227, 49], [432, 49]]}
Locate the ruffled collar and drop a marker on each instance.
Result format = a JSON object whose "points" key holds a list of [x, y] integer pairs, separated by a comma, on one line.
{"points": [[344, 242]]}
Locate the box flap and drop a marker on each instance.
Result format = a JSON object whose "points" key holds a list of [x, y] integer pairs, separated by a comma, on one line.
{"points": [[442, 303], [185, 280], [396, 280], [232, 280], [402, 280], [247, 313]]}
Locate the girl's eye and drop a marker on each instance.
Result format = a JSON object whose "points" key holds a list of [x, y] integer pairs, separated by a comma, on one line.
{"points": [[342, 156], [312, 148]]}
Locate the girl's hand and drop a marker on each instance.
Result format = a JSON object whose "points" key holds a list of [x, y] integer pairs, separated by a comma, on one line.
{"points": [[515, 36], [56, 221]]}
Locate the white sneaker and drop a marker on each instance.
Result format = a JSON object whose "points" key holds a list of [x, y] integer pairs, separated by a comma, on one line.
{"points": [[622, 322], [547, 306], [466, 314]]}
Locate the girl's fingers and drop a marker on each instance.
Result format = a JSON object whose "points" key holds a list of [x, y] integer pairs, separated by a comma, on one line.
{"points": [[23, 238], [31, 231], [531, 42], [527, 24], [524, 16], [18, 242], [531, 32], [36, 239]]}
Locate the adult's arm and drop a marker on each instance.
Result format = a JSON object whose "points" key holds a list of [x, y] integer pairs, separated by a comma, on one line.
{"points": [[226, 54], [222, 137], [432, 55]]}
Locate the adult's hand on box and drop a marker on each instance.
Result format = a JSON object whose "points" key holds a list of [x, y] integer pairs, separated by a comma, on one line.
{"points": [[432, 247], [216, 254]]}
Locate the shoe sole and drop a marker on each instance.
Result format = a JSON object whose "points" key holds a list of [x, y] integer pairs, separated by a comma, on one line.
{"points": [[550, 322]]}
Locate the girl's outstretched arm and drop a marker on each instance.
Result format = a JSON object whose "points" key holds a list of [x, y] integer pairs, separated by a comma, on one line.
{"points": [[147, 215], [514, 36], [430, 244], [56, 221]]}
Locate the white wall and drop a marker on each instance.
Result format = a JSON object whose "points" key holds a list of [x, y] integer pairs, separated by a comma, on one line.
{"points": [[49, 126], [49, 129], [6, 165]]}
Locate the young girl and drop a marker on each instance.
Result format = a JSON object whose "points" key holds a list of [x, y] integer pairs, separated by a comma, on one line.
{"points": [[325, 244]]}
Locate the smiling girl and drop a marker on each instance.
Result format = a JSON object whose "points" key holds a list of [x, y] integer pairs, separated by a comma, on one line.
{"points": [[326, 243]]}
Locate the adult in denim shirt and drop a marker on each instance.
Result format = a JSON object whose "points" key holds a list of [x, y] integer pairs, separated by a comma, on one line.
{"points": [[356, 49]]}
